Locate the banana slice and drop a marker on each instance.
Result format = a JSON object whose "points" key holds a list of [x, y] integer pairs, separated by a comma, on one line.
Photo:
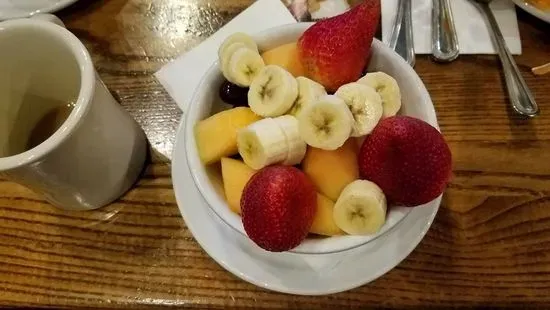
{"points": [[308, 92], [326, 124], [238, 37], [361, 208], [262, 143], [388, 89], [229, 51], [243, 66], [273, 92], [297, 147], [365, 104]]}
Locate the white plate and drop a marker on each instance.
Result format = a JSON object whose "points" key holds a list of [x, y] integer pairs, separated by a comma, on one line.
{"points": [[545, 16], [24, 8], [300, 274]]}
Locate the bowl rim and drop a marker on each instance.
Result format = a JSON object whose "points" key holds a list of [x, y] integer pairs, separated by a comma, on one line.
{"points": [[198, 171]]}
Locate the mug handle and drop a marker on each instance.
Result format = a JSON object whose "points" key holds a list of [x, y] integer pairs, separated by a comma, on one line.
{"points": [[49, 18]]}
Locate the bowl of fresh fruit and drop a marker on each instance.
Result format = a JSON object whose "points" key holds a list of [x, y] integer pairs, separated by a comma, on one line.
{"points": [[314, 137]]}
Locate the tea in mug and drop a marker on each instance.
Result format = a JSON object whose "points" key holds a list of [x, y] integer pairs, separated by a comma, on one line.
{"points": [[48, 124], [36, 119]]}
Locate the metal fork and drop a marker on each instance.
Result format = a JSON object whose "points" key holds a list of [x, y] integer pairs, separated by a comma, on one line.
{"points": [[402, 34], [444, 38], [520, 96]]}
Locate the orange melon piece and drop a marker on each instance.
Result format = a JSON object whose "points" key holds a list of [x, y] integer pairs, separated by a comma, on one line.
{"points": [[236, 175], [285, 56], [331, 171], [216, 136], [323, 222]]}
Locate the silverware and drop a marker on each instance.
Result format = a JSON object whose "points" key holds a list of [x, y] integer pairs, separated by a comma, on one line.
{"points": [[444, 38], [520, 96], [402, 34]]}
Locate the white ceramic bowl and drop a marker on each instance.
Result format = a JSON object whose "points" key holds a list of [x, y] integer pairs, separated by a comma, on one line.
{"points": [[416, 103]]}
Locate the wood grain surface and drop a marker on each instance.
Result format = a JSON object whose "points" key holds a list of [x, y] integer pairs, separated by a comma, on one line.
{"points": [[489, 245]]}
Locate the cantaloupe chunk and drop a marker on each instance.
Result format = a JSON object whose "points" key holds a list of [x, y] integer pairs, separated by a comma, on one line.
{"points": [[235, 174], [331, 171], [323, 222], [285, 56], [216, 136]]}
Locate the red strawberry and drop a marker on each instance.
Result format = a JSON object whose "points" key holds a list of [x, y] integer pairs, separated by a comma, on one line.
{"points": [[408, 159], [278, 205], [334, 51]]}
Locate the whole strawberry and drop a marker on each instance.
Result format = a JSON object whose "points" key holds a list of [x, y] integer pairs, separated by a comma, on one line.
{"points": [[334, 51], [408, 159], [278, 206]]}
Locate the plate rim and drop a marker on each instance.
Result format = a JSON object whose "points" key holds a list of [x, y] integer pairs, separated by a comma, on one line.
{"points": [[533, 10], [46, 9]]}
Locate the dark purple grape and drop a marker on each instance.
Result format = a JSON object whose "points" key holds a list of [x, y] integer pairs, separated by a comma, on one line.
{"points": [[234, 94]]}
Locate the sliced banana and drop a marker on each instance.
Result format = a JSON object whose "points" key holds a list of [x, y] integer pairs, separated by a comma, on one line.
{"points": [[297, 147], [243, 66], [273, 92], [388, 89], [238, 37], [361, 208], [326, 124], [229, 51], [262, 143], [365, 104], [308, 92]]}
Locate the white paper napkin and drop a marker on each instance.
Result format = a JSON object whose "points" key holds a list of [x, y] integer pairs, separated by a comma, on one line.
{"points": [[473, 34], [181, 77]]}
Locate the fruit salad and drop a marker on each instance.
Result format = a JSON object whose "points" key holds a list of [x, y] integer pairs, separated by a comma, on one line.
{"points": [[313, 145]]}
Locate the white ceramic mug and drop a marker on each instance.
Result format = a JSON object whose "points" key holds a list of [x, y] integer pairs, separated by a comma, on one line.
{"points": [[62, 134]]}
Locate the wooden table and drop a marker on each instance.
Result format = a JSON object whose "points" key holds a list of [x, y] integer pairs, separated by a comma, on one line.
{"points": [[488, 246]]}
